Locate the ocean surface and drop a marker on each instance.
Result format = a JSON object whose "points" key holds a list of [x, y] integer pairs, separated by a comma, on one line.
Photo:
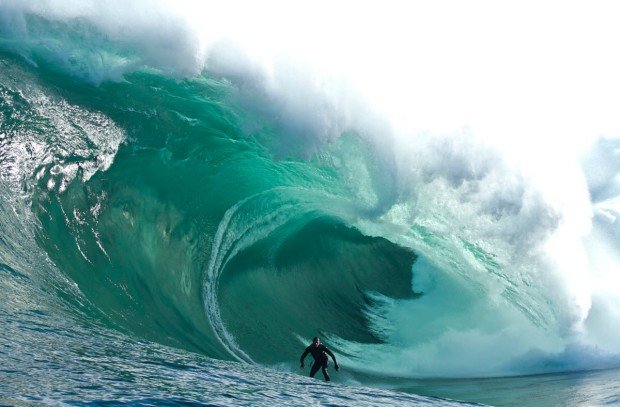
{"points": [[175, 236]]}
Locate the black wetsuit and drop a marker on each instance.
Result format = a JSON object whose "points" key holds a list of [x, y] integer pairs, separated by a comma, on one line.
{"points": [[319, 353]]}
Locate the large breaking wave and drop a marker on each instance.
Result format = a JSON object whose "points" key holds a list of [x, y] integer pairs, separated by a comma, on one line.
{"points": [[202, 197]]}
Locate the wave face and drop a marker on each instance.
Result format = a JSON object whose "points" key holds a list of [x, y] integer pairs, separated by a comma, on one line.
{"points": [[238, 214]]}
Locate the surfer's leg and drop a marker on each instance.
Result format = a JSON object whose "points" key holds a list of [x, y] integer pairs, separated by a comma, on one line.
{"points": [[315, 368], [325, 374]]}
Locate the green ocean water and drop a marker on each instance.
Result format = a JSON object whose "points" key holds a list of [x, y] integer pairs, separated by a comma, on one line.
{"points": [[163, 199], [136, 221]]}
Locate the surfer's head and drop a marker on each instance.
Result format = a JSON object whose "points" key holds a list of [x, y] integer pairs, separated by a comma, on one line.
{"points": [[316, 341]]}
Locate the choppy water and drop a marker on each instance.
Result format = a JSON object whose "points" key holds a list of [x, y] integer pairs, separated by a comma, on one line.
{"points": [[60, 359]]}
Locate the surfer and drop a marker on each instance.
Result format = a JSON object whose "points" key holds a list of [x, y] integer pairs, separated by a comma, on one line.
{"points": [[319, 352]]}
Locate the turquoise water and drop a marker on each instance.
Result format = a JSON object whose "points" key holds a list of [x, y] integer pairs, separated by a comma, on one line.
{"points": [[100, 273], [170, 240]]}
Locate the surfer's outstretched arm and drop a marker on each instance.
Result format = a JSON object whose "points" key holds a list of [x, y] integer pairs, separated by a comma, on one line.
{"points": [[329, 352], [303, 356]]}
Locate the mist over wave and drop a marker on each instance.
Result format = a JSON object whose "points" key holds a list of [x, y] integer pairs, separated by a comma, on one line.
{"points": [[462, 202]]}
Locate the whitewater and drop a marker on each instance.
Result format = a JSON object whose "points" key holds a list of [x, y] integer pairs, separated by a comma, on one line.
{"points": [[189, 192]]}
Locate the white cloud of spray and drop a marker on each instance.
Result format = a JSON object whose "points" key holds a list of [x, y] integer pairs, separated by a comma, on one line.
{"points": [[491, 110], [99, 41]]}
